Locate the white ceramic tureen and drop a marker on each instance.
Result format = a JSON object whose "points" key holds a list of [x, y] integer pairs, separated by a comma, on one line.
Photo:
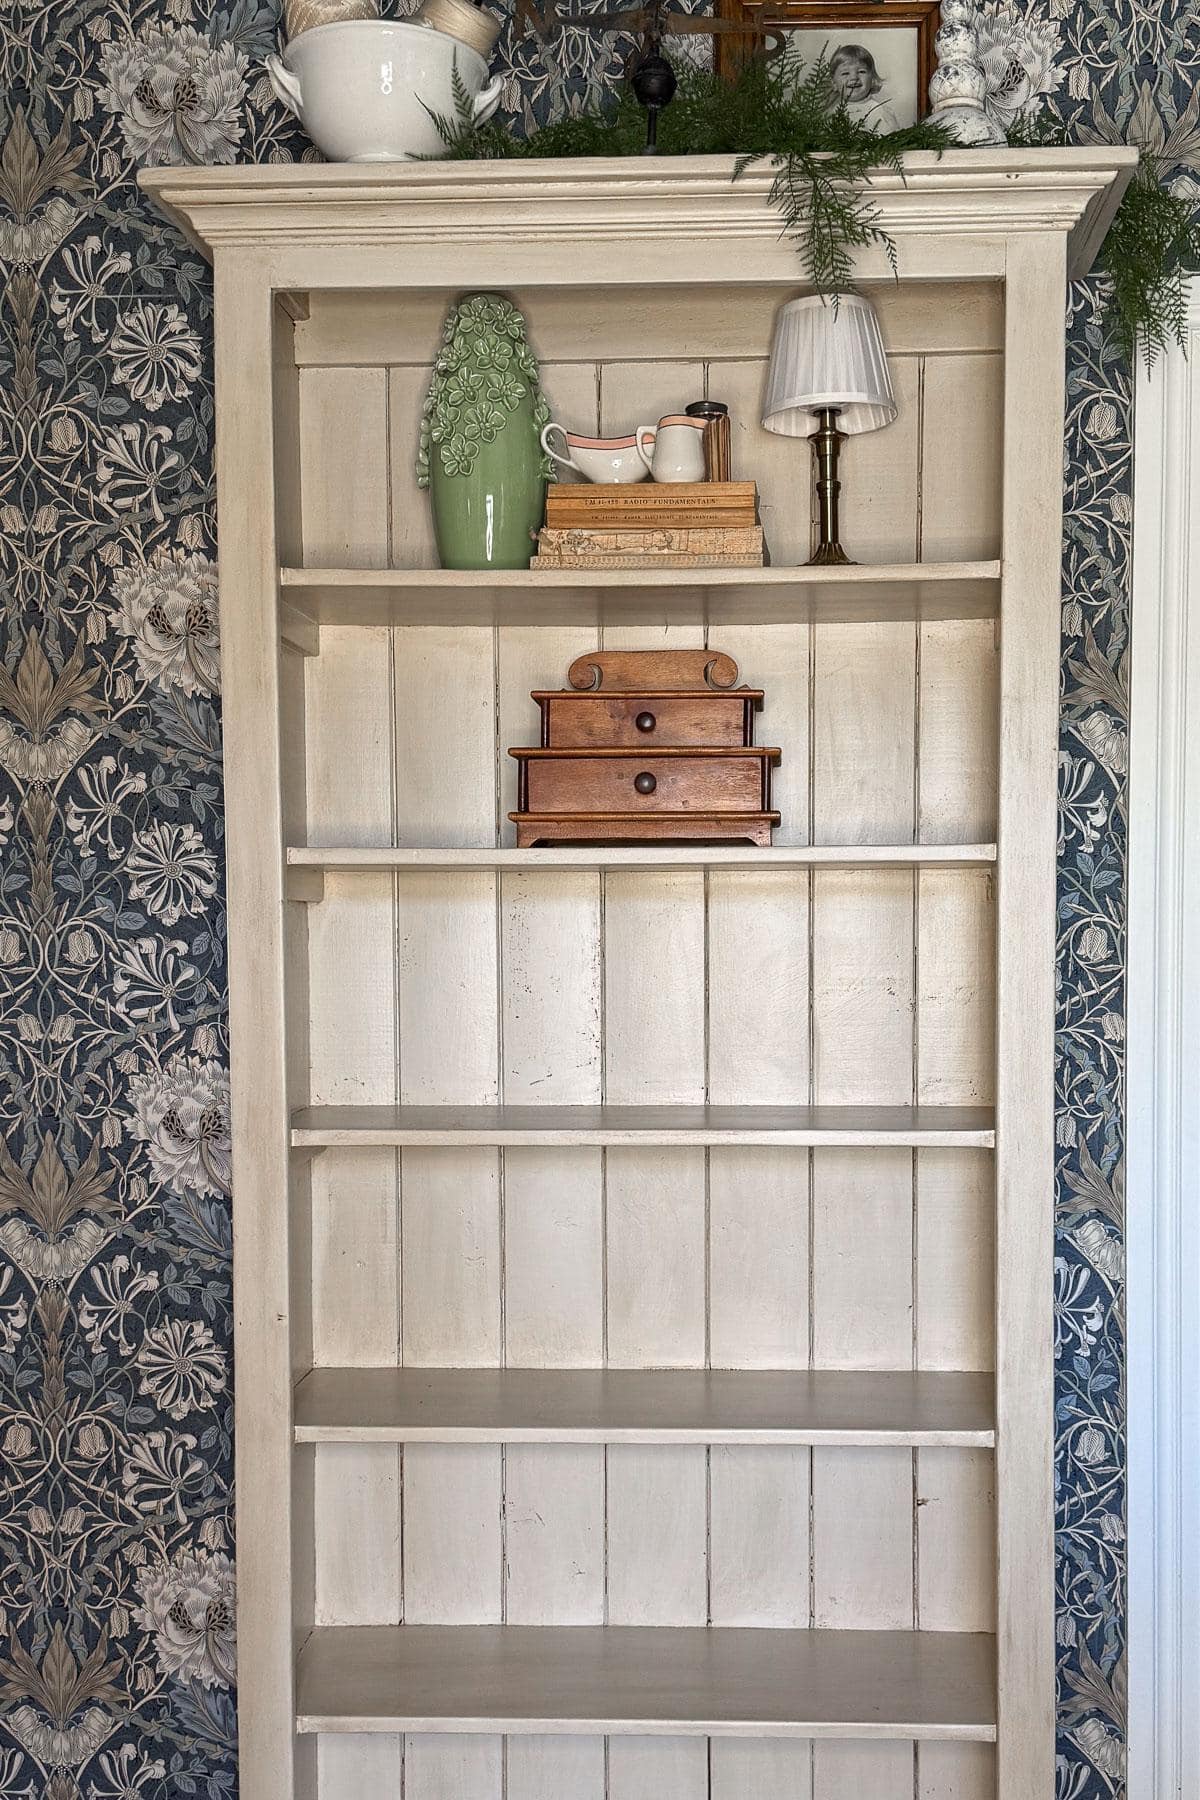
{"points": [[364, 89]]}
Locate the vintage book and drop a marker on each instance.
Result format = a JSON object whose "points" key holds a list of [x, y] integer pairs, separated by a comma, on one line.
{"points": [[632, 559], [696, 540], [652, 503]]}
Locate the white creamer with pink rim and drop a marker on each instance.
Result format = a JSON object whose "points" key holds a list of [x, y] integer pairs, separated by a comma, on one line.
{"points": [[676, 448], [364, 89], [596, 458]]}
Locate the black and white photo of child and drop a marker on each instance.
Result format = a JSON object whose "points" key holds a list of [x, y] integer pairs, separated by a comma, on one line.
{"points": [[874, 75], [861, 88]]}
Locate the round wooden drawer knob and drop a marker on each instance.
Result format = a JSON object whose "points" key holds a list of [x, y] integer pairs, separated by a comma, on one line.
{"points": [[646, 722], [645, 782]]}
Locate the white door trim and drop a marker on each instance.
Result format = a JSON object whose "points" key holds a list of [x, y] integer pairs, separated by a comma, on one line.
{"points": [[1163, 1100]]}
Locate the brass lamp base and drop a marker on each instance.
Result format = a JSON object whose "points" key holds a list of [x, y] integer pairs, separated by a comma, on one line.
{"points": [[827, 444]]}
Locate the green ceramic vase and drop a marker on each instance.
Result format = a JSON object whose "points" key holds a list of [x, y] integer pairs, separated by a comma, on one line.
{"points": [[481, 456], [488, 517]]}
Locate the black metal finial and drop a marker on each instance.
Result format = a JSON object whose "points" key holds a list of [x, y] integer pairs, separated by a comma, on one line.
{"points": [[653, 81]]}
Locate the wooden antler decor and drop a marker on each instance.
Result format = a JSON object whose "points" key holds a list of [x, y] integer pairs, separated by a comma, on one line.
{"points": [[646, 745]]}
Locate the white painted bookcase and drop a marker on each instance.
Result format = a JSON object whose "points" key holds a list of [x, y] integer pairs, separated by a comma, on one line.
{"points": [[642, 1257]]}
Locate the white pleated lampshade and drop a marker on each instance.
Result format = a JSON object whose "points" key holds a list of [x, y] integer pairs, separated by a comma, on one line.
{"points": [[826, 357]]}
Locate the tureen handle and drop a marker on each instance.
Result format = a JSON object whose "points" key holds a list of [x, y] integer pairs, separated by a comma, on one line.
{"points": [[487, 102], [286, 85]]}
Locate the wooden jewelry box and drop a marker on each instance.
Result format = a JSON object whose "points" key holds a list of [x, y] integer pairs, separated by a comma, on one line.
{"points": [[646, 745]]}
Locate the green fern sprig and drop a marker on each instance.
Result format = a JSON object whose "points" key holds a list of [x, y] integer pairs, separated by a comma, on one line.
{"points": [[790, 117], [1152, 243]]}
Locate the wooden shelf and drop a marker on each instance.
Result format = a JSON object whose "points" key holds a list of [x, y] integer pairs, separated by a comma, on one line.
{"points": [[333, 859], [366, 1127], [652, 1680], [797, 595], [636, 1406]]}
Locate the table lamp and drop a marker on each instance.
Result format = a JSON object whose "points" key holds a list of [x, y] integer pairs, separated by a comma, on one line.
{"points": [[827, 378]]}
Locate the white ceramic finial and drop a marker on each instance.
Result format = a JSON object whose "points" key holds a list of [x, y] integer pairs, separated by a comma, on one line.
{"points": [[957, 86]]}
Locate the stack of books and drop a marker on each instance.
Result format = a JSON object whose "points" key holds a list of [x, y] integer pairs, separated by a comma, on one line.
{"points": [[660, 525]]}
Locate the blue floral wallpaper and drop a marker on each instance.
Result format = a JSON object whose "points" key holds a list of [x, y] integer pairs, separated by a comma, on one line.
{"points": [[117, 1657]]}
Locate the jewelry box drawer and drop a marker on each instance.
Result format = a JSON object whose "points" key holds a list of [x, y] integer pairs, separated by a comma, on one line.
{"points": [[722, 781], [572, 720]]}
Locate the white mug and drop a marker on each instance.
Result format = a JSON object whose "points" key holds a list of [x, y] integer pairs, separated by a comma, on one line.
{"points": [[595, 458], [678, 448]]}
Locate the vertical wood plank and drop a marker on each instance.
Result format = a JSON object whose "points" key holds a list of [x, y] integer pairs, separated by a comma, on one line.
{"points": [[657, 1529], [358, 1573], [758, 987], [550, 955], [956, 1260], [450, 1200], [364, 1764], [452, 1537], [438, 1767], [554, 1534], [956, 802], [551, 974], [758, 1051], [957, 731], [654, 998], [352, 1006], [448, 995], [348, 731], [956, 1772], [1033, 416], [758, 1259], [956, 1540], [451, 1261], [961, 451], [863, 733], [555, 1768], [955, 964], [553, 1259], [862, 1259], [765, 1768], [955, 1235], [758, 1536], [274, 1765], [655, 1217], [657, 1768], [344, 460], [852, 1770], [863, 1539], [864, 742], [654, 986], [411, 520], [879, 478]]}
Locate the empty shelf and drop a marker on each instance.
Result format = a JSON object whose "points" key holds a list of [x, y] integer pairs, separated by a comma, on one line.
{"points": [[635, 1406], [859, 591], [369, 1127], [690, 1681]]}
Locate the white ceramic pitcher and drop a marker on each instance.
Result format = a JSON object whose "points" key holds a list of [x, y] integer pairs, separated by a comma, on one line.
{"points": [[676, 448]]}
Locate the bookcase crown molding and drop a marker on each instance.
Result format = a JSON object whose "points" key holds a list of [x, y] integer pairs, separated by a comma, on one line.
{"points": [[555, 202]]}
